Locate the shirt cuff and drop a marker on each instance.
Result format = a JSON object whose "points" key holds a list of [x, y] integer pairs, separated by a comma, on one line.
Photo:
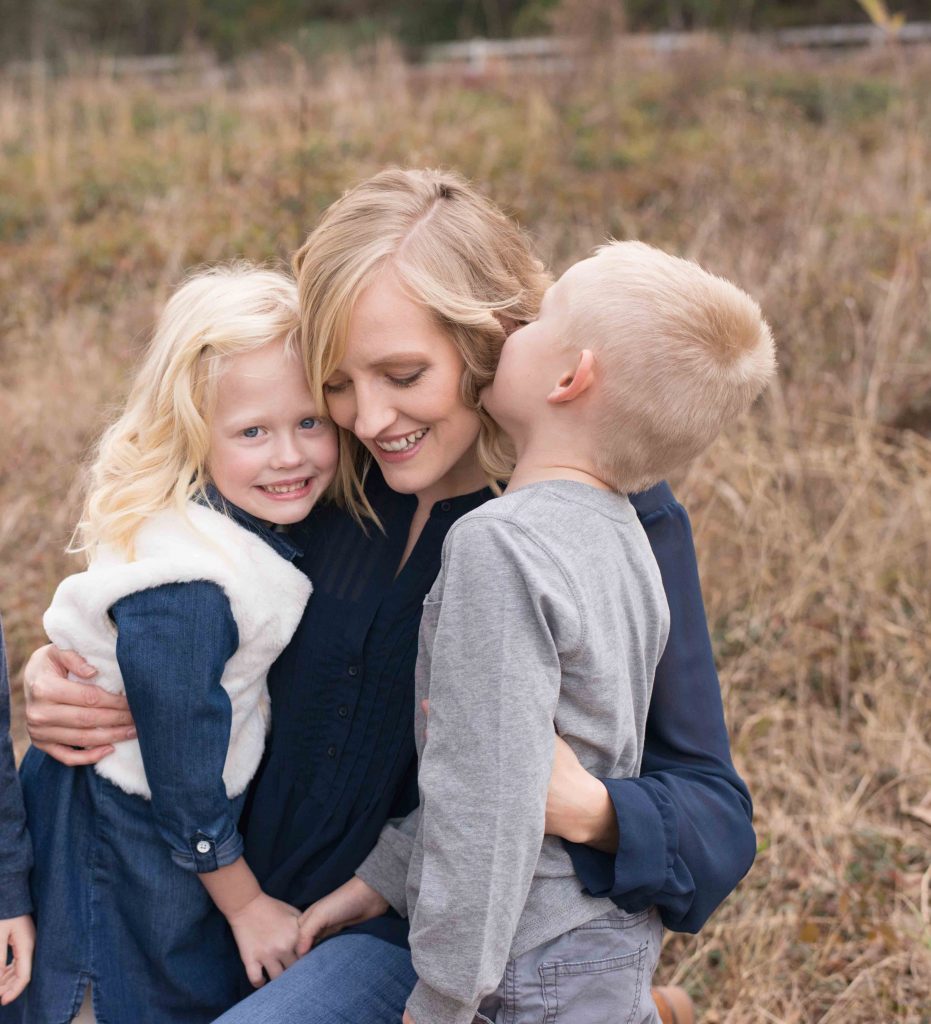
{"points": [[206, 854], [15, 900], [427, 1006], [645, 854], [385, 870]]}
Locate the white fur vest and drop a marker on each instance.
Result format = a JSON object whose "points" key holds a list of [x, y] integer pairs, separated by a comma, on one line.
{"points": [[267, 595]]}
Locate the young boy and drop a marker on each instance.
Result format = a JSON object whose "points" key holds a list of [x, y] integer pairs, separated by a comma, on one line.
{"points": [[17, 934], [549, 613]]}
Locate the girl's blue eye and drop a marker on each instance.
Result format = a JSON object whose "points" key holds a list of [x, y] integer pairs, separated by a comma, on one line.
{"points": [[251, 432], [309, 423]]}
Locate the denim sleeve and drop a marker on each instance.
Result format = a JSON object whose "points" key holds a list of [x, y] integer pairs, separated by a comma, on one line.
{"points": [[685, 825], [173, 642], [15, 848]]}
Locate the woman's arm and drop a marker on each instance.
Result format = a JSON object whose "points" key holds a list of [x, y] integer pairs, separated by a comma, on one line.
{"points": [[685, 837]]}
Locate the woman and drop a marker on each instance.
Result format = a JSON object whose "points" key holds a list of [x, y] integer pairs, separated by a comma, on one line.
{"points": [[403, 355]]}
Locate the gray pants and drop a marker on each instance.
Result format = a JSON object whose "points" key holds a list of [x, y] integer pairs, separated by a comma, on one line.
{"points": [[599, 973]]}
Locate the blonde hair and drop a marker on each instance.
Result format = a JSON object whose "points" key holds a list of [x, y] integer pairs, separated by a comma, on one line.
{"points": [[154, 456], [683, 352], [455, 252]]}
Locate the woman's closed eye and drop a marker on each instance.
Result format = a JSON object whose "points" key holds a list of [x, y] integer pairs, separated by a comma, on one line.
{"points": [[408, 381]]}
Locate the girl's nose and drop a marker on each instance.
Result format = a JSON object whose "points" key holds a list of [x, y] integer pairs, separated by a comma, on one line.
{"points": [[286, 452]]}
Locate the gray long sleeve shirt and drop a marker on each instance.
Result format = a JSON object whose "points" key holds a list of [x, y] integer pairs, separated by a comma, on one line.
{"points": [[548, 613]]}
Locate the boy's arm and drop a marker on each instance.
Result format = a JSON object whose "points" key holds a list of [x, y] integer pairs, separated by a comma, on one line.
{"points": [[685, 825], [15, 847], [494, 684], [385, 868]]}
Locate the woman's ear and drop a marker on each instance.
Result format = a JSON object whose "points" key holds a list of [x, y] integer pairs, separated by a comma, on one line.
{"points": [[571, 385]]}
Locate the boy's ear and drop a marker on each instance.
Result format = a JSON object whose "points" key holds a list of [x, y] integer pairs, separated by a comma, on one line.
{"points": [[571, 385]]}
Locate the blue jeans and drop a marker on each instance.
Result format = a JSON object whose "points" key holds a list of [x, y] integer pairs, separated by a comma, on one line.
{"points": [[349, 979]]}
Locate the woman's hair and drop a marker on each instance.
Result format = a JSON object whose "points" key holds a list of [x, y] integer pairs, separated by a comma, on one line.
{"points": [[154, 456], [454, 251]]}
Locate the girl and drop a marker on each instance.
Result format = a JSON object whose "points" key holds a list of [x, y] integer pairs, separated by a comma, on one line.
{"points": [[188, 598]]}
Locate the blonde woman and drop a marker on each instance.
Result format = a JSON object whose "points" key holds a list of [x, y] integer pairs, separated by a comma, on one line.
{"points": [[408, 286], [188, 598]]}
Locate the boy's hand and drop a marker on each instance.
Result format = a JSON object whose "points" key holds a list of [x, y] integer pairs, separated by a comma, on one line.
{"points": [[19, 934], [266, 933], [352, 903], [62, 714]]}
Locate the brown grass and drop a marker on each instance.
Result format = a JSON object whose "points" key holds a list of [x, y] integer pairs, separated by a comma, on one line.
{"points": [[807, 182]]}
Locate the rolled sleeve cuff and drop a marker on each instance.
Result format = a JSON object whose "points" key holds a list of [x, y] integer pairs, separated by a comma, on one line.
{"points": [[14, 895], [385, 870], [205, 854], [427, 1006], [646, 852]]}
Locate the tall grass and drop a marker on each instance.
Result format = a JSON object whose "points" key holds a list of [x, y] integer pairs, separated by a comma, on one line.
{"points": [[804, 180]]}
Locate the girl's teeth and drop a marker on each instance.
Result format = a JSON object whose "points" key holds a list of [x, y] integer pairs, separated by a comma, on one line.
{"points": [[285, 488], [403, 443]]}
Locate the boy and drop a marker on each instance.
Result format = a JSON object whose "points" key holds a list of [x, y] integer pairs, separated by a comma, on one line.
{"points": [[17, 934], [549, 612]]}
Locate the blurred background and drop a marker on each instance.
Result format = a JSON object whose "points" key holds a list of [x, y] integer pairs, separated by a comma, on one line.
{"points": [[786, 145]]}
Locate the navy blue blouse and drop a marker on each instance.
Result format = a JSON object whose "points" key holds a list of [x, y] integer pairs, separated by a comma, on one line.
{"points": [[340, 759]]}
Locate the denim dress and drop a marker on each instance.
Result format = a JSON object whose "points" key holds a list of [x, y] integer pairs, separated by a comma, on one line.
{"points": [[119, 904]]}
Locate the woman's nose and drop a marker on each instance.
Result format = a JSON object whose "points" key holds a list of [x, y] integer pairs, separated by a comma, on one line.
{"points": [[373, 417]]}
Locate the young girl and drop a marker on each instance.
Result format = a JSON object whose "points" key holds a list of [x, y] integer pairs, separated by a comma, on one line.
{"points": [[188, 598]]}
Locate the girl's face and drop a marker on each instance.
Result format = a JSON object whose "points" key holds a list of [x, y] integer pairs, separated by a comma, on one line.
{"points": [[270, 453], [397, 390]]}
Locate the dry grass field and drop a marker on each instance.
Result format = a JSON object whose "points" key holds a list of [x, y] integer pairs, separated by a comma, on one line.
{"points": [[807, 180]]}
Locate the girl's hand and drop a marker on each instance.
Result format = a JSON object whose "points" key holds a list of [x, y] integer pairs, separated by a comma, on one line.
{"points": [[62, 714], [19, 934], [351, 903], [407, 1018], [578, 807], [266, 933]]}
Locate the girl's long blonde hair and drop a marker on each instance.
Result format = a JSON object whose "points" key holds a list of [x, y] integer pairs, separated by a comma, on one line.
{"points": [[455, 251], [154, 456]]}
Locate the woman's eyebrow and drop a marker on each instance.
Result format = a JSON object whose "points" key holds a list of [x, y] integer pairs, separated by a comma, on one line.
{"points": [[399, 358]]}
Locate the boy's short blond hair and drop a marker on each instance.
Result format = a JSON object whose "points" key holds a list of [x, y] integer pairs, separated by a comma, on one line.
{"points": [[681, 351]]}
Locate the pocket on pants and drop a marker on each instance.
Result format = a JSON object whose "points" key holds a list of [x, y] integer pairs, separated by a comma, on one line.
{"points": [[590, 991]]}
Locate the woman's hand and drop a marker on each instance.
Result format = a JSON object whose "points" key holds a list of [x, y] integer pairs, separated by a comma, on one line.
{"points": [[352, 903], [578, 807], [62, 714], [266, 934]]}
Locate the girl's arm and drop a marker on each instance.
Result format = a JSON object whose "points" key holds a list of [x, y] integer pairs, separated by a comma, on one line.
{"points": [[173, 642], [682, 830]]}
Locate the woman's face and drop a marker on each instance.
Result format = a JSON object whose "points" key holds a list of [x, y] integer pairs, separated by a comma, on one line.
{"points": [[397, 390]]}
